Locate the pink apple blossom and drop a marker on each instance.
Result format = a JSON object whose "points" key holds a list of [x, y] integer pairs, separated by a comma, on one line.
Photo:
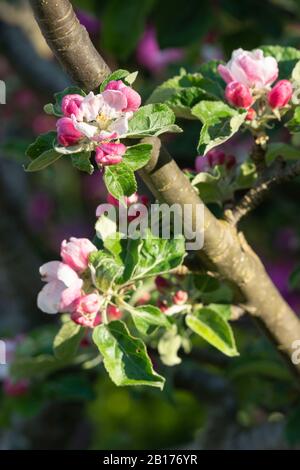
{"points": [[113, 312], [63, 287], [75, 253], [238, 95], [71, 105], [133, 98], [180, 297], [280, 94], [109, 153], [85, 310], [251, 68], [67, 134]]}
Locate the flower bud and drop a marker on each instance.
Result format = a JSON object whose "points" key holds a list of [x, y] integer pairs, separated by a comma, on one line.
{"points": [[280, 94], [109, 153], [251, 114], [66, 133], [113, 312], [75, 253], [71, 105], [238, 95], [180, 297], [86, 310]]}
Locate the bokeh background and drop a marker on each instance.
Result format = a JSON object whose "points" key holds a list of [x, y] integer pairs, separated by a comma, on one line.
{"points": [[210, 402]]}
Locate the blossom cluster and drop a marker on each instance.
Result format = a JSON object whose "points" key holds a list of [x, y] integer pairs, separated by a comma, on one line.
{"points": [[97, 122], [249, 76]]}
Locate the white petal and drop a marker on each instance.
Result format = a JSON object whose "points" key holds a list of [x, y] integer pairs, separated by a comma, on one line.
{"points": [[86, 129], [120, 126], [91, 106], [48, 271], [66, 275], [49, 297]]}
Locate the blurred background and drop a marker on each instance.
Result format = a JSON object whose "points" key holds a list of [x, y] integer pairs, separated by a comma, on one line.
{"points": [[210, 402]]}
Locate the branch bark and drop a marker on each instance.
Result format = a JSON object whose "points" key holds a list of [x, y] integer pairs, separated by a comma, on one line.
{"points": [[224, 248]]}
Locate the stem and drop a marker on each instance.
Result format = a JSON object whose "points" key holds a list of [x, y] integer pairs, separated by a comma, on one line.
{"points": [[223, 247]]}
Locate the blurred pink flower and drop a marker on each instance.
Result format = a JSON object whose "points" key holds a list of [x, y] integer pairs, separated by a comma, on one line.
{"points": [[150, 56], [91, 23]]}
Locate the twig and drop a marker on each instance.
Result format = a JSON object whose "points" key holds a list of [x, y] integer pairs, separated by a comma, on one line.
{"points": [[255, 195]]}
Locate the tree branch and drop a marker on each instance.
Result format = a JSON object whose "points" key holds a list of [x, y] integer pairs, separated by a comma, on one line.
{"points": [[222, 248], [255, 195]]}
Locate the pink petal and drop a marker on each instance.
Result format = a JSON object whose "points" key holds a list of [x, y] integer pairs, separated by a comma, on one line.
{"points": [[115, 99]]}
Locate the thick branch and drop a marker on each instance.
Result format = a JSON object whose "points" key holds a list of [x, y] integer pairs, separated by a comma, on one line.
{"points": [[70, 42], [222, 248]]}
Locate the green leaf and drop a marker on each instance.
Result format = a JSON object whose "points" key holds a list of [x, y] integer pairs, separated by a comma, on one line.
{"points": [[208, 187], [116, 75], [212, 327], [287, 58], [123, 25], [294, 124], [137, 156], [246, 177], [67, 340], [296, 72], [31, 367], [125, 357], [105, 269], [287, 152], [168, 347], [120, 180], [184, 91], [220, 122], [209, 70], [42, 144], [81, 161], [223, 309], [152, 120], [44, 160], [147, 317], [151, 256]]}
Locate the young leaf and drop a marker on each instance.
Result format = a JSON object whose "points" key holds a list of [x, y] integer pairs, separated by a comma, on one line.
{"points": [[43, 143], [67, 340], [184, 91], [168, 347], [125, 357], [117, 75], [294, 124], [220, 122], [81, 161], [147, 317], [212, 327], [137, 156], [120, 180], [44, 160], [105, 269], [246, 177], [151, 256], [152, 120]]}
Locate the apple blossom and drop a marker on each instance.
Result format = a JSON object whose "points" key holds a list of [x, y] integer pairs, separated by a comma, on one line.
{"points": [[63, 287], [109, 153], [212, 158], [67, 134], [75, 253], [113, 312], [280, 94], [133, 98], [180, 297], [238, 94], [251, 114], [85, 311], [250, 68], [71, 105]]}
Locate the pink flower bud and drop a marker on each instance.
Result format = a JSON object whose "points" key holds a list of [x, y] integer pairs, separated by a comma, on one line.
{"points": [[238, 95], [66, 133], [251, 114], [180, 297], [86, 310], [75, 253], [71, 105], [280, 94], [109, 153], [133, 199], [144, 299], [113, 312], [133, 98]]}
